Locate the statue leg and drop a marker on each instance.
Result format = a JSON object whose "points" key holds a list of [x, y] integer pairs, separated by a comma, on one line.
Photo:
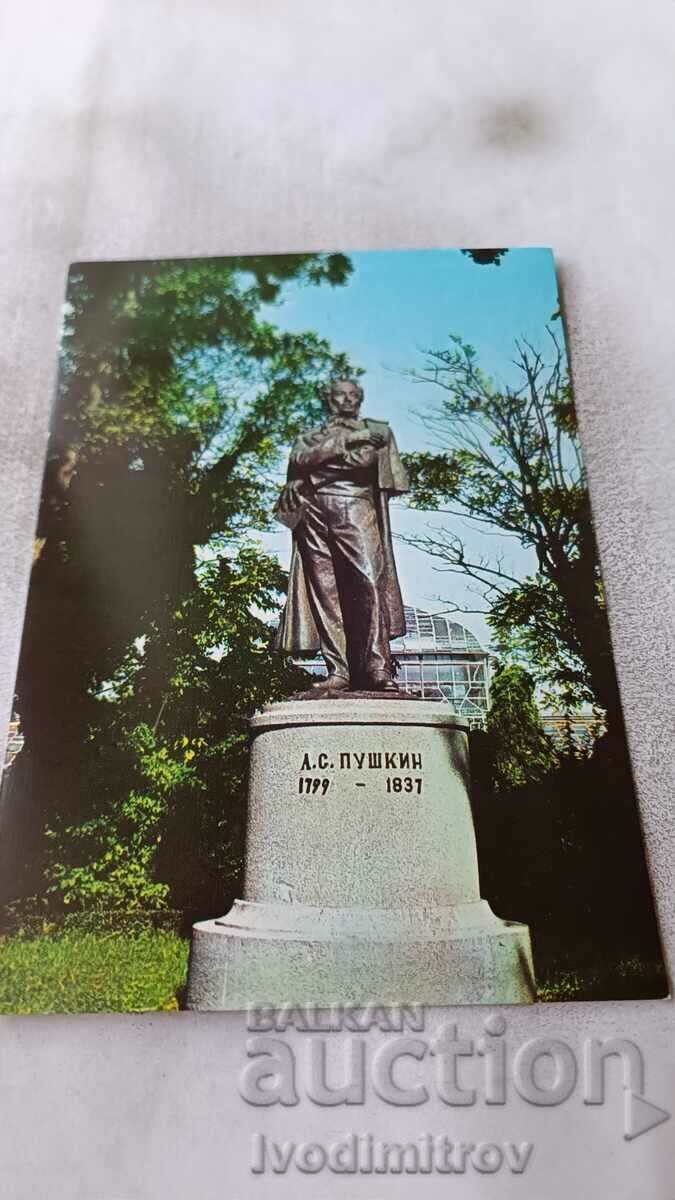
{"points": [[322, 591], [358, 556]]}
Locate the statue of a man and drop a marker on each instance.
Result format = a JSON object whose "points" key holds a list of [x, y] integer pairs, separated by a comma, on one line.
{"points": [[344, 596]]}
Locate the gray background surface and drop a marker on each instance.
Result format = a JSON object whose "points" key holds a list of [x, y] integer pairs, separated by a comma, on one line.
{"points": [[219, 126]]}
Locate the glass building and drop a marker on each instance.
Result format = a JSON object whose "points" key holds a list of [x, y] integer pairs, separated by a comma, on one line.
{"points": [[437, 659]]}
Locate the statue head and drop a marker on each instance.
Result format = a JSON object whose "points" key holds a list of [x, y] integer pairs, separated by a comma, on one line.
{"points": [[343, 397]]}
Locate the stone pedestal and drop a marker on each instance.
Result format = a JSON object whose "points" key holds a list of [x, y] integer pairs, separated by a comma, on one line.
{"points": [[361, 870]]}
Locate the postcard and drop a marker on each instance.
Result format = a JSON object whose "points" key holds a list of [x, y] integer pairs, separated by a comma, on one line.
{"points": [[316, 701]]}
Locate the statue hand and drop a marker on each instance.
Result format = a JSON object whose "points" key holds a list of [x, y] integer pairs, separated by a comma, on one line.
{"points": [[366, 437], [290, 496]]}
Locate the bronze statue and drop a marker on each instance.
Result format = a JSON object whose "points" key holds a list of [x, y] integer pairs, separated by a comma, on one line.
{"points": [[344, 596]]}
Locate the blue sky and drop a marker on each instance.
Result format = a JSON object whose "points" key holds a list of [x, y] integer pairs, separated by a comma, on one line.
{"points": [[395, 305]]}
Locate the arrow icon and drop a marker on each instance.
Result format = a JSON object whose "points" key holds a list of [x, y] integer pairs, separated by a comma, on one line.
{"points": [[640, 1115]]}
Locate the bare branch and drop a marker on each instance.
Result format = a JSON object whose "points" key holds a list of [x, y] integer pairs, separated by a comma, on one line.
{"points": [[449, 549], [451, 609]]}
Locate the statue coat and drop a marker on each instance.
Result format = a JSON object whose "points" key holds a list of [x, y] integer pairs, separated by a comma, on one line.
{"points": [[297, 632]]}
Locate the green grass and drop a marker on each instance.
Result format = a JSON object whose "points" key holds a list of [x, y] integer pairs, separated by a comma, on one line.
{"points": [[88, 972]]}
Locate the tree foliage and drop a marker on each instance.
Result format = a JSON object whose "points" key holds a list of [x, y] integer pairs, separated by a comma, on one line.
{"points": [[550, 821], [508, 458], [157, 815], [521, 752], [176, 392]]}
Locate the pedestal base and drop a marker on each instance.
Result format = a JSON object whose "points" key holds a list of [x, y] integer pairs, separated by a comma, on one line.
{"points": [[295, 954], [361, 869]]}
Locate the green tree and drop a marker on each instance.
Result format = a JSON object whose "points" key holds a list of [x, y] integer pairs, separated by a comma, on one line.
{"points": [[509, 459], [520, 750], [162, 818], [175, 393]]}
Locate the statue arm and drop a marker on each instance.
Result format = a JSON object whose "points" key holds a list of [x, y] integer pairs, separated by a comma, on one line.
{"points": [[309, 450], [314, 449]]}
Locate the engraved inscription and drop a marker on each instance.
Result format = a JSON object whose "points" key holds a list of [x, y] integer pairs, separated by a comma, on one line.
{"points": [[351, 760], [398, 783], [310, 787], [394, 761]]}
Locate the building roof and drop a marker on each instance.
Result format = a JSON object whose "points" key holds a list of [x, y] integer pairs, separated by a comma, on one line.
{"points": [[426, 632]]}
